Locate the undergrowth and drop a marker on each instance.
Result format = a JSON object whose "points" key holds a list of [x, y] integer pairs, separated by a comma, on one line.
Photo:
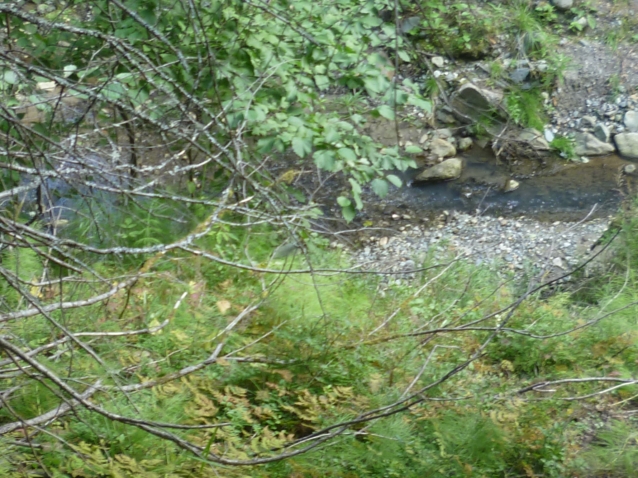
{"points": [[323, 350]]}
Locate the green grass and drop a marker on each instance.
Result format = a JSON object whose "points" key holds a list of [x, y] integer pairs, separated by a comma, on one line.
{"points": [[526, 108], [564, 146], [332, 347]]}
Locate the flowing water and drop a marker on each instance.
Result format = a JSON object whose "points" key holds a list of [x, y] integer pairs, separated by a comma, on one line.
{"points": [[559, 190]]}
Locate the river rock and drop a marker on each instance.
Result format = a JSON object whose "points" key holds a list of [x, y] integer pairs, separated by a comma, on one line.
{"points": [[602, 132], [587, 144], [630, 169], [465, 144], [631, 121], [438, 61], [534, 138], [511, 185], [443, 133], [442, 148], [582, 21], [472, 103], [444, 117], [448, 169], [588, 121], [549, 135], [627, 144], [519, 75], [563, 4]]}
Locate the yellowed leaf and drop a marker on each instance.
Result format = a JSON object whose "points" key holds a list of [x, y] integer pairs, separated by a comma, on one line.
{"points": [[285, 374], [375, 382], [180, 335], [223, 306], [155, 323], [35, 292], [507, 366]]}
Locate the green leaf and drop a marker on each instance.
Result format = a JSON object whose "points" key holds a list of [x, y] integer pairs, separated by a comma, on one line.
{"points": [[404, 56], [380, 187], [331, 136], [113, 91], [356, 187], [256, 115], [322, 81], [413, 149], [325, 159], [265, 145], [347, 154], [356, 192], [348, 213], [425, 105], [386, 112], [10, 77], [343, 201], [394, 180], [301, 146], [69, 70]]}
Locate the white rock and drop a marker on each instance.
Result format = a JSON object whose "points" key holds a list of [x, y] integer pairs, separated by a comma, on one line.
{"points": [[448, 169], [549, 135], [631, 121], [465, 144], [563, 4], [511, 185], [627, 144], [442, 148], [438, 61]]}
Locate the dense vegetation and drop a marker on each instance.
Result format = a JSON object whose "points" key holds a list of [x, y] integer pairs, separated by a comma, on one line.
{"points": [[169, 304]]}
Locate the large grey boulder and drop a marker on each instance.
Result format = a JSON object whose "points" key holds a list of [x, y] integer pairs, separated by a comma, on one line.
{"points": [[442, 148], [627, 144], [631, 121], [534, 138], [563, 4], [446, 170], [473, 103], [586, 144]]}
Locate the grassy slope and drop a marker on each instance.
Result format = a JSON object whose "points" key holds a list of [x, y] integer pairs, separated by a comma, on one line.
{"points": [[330, 354]]}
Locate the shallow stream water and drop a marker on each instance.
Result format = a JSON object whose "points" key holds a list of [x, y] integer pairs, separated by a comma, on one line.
{"points": [[559, 190]]}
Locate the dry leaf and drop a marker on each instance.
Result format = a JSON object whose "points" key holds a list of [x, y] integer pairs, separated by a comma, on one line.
{"points": [[285, 374], [223, 306]]}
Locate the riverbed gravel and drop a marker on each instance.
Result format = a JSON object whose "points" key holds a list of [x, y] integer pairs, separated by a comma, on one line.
{"points": [[506, 244]]}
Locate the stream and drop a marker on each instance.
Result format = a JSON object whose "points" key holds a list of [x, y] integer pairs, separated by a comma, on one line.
{"points": [[558, 191]]}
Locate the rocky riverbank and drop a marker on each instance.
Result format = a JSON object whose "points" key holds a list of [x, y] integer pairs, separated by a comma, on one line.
{"points": [[510, 245]]}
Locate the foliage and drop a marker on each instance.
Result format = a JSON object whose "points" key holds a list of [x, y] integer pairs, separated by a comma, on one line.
{"points": [[459, 29], [564, 146], [614, 452], [526, 108], [168, 307]]}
